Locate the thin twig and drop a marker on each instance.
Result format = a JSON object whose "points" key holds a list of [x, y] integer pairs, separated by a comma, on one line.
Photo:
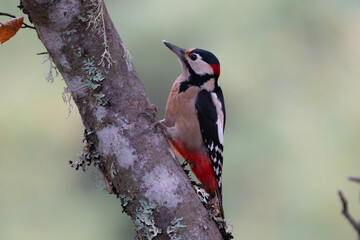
{"points": [[347, 215], [7, 14], [13, 16], [354, 179]]}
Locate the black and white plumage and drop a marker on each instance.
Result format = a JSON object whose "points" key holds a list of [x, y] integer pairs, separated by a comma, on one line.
{"points": [[210, 108], [195, 118]]}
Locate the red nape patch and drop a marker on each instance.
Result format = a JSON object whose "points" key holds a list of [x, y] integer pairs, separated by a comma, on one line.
{"points": [[216, 69]]}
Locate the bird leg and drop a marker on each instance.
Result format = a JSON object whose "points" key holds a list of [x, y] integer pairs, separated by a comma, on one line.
{"points": [[160, 124], [157, 123], [151, 114]]}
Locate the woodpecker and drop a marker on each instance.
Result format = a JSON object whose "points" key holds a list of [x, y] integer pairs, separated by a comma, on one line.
{"points": [[195, 117]]}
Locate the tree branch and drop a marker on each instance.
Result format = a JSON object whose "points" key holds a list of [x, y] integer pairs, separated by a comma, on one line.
{"points": [[346, 213], [345, 210], [24, 25], [138, 164], [354, 179]]}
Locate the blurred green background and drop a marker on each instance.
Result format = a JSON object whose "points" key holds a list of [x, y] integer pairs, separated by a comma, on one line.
{"points": [[290, 74]]}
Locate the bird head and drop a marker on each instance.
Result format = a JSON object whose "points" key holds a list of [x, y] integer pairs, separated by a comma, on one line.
{"points": [[200, 67]]}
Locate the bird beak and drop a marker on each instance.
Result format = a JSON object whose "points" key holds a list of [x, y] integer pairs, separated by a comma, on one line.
{"points": [[180, 52]]}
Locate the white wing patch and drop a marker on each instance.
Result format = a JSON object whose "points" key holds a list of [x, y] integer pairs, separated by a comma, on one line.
{"points": [[220, 114], [217, 163]]}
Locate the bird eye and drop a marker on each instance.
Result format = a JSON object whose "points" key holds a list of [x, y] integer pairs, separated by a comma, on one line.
{"points": [[193, 56]]}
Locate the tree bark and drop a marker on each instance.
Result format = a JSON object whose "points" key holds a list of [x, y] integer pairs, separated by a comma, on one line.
{"points": [[138, 164]]}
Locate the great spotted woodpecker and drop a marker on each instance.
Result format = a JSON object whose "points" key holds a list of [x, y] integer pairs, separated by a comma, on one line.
{"points": [[195, 117]]}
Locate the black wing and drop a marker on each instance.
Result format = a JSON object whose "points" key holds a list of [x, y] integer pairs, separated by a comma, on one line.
{"points": [[211, 126]]}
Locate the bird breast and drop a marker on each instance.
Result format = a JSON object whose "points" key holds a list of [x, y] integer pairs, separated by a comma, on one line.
{"points": [[180, 115]]}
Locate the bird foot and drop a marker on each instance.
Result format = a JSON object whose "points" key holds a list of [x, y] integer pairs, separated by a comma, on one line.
{"points": [[199, 185], [155, 123], [159, 124], [149, 113], [200, 192], [183, 165]]}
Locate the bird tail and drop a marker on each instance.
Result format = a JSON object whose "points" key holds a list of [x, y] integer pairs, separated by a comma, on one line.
{"points": [[217, 212], [221, 209]]}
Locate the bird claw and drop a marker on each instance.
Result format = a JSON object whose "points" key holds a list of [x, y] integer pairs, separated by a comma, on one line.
{"points": [[150, 113], [155, 122], [202, 195], [199, 185], [158, 124], [184, 164]]}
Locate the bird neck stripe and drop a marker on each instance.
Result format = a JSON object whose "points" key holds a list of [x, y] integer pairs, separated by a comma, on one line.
{"points": [[196, 79]]}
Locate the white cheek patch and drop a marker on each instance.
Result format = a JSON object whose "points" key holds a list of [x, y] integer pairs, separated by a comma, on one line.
{"points": [[199, 66]]}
